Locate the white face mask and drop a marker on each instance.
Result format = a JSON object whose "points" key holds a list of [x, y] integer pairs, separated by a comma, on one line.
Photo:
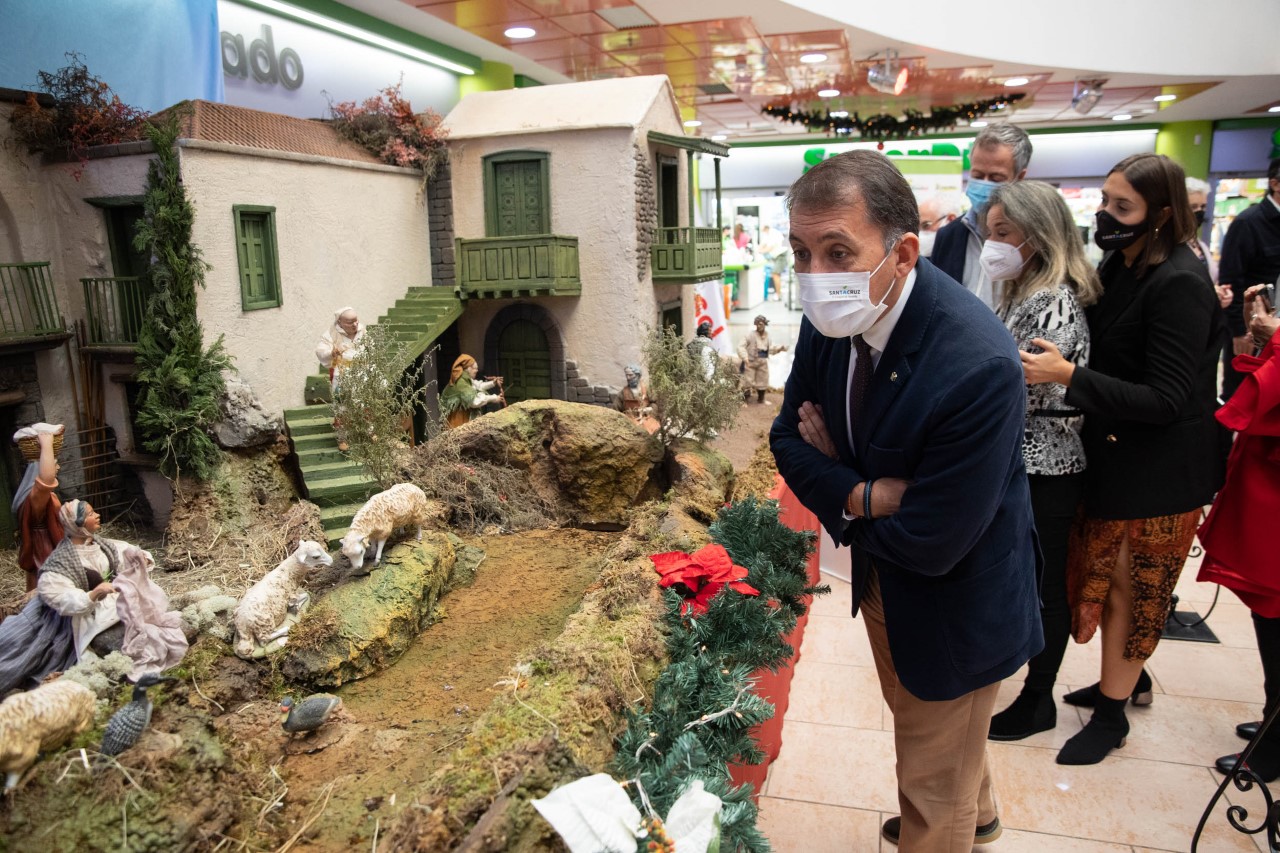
{"points": [[926, 243], [838, 304], [1001, 261]]}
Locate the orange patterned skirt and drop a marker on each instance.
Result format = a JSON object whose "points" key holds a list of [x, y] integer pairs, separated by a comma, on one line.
{"points": [[1158, 549]]}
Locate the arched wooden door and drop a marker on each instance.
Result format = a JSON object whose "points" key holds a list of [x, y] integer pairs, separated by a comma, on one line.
{"points": [[524, 361]]}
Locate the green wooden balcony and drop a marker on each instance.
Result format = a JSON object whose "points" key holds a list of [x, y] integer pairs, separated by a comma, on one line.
{"points": [[114, 308], [686, 255], [529, 265], [28, 304]]}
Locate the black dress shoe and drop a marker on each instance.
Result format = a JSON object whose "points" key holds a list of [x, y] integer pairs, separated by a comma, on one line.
{"points": [[985, 834], [1226, 765], [1086, 697], [1248, 731], [1033, 711]]}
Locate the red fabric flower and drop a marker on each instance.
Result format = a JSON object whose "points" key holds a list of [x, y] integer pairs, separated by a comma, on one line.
{"points": [[701, 576]]}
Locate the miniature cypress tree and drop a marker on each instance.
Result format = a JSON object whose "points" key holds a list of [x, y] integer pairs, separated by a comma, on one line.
{"points": [[181, 378]]}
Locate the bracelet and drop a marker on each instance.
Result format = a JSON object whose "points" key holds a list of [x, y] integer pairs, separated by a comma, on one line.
{"points": [[866, 500]]}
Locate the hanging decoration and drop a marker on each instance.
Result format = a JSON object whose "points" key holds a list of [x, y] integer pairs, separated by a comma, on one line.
{"points": [[884, 126]]}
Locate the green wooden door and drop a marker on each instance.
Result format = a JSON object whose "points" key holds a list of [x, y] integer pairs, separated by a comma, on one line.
{"points": [[518, 190], [524, 362]]}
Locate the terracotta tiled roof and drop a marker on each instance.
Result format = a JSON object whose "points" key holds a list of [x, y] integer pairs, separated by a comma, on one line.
{"points": [[253, 128]]}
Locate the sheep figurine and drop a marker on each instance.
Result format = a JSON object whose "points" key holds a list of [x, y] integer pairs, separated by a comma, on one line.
{"points": [[262, 616], [39, 720], [399, 506]]}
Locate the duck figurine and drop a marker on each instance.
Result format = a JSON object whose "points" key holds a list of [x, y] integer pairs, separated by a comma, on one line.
{"points": [[308, 714], [127, 725]]}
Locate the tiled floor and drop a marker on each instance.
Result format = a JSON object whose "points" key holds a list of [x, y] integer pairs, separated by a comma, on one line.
{"points": [[833, 783]]}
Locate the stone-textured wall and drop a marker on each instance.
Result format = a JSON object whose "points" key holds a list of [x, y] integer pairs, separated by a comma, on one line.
{"points": [[580, 390], [646, 211], [440, 205], [18, 373]]}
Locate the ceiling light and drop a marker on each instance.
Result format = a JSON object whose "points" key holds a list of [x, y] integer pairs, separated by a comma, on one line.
{"points": [[811, 58], [306, 16], [978, 124], [1121, 117], [890, 76], [1086, 96], [1017, 81], [520, 32], [1165, 98], [839, 114], [719, 137], [828, 93], [1275, 109], [693, 122]]}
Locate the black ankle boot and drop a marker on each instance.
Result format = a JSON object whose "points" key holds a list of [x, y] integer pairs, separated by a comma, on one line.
{"points": [[1105, 731], [1033, 711], [1086, 696]]}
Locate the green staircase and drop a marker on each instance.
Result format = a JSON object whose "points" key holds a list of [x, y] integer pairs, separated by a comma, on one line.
{"points": [[329, 478]]}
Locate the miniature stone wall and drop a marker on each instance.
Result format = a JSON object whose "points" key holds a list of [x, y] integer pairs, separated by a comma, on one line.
{"points": [[18, 374], [578, 388], [646, 211], [440, 227]]}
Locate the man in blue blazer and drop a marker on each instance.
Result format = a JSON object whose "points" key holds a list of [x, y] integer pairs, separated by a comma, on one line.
{"points": [[901, 429]]}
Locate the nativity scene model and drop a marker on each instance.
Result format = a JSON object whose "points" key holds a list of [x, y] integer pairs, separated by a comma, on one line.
{"points": [[431, 583]]}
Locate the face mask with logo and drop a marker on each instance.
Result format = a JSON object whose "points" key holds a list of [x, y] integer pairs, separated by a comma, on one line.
{"points": [[1112, 235], [1001, 261], [926, 243], [838, 304], [979, 191]]}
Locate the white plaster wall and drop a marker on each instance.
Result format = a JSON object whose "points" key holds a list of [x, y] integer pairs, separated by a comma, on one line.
{"points": [[593, 198], [345, 236]]}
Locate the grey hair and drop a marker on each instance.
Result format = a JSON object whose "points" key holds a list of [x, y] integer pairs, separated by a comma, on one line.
{"points": [[1004, 133], [947, 203], [1195, 185], [1038, 210], [870, 177], [633, 368]]}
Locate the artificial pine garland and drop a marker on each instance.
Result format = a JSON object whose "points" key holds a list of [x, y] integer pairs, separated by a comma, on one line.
{"points": [[884, 126], [705, 703]]}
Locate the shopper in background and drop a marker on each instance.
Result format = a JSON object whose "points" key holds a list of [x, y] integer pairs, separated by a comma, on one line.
{"points": [[936, 210], [1148, 396], [741, 238], [1000, 155], [1034, 251], [1198, 196], [1239, 545], [1250, 255]]}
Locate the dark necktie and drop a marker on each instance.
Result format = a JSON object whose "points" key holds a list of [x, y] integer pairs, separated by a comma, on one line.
{"points": [[861, 378]]}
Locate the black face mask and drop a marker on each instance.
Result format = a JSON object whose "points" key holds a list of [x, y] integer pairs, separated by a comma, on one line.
{"points": [[1112, 235], [1199, 215]]}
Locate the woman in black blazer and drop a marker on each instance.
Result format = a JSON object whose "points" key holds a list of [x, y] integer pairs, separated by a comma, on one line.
{"points": [[1148, 395]]}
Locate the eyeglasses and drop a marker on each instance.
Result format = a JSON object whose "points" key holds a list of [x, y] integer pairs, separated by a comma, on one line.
{"points": [[926, 224]]}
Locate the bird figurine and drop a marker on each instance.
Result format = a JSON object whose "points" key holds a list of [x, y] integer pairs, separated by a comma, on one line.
{"points": [[127, 725], [309, 714]]}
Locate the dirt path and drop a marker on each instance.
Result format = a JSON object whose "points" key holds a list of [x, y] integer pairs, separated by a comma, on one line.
{"points": [[400, 724], [752, 428]]}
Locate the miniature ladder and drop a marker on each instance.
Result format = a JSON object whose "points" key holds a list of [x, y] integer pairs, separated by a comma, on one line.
{"points": [[330, 479]]}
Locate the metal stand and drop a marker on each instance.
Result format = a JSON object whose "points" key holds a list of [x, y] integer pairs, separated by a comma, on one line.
{"points": [[1244, 779]]}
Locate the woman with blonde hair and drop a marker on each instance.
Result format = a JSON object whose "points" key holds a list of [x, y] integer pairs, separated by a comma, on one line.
{"points": [[465, 395], [1033, 252]]}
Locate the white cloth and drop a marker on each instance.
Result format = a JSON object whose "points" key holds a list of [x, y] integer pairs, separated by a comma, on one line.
{"points": [[35, 430], [153, 637], [336, 349], [88, 618], [482, 398]]}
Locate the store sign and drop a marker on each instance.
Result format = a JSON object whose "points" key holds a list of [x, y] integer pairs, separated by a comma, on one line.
{"points": [[814, 156], [261, 58]]}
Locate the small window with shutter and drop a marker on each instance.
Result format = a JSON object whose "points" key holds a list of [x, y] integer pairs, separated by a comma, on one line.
{"points": [[256, 253]]}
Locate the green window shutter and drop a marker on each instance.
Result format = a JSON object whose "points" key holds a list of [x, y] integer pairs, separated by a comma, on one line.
{"points": [[257, 258]]}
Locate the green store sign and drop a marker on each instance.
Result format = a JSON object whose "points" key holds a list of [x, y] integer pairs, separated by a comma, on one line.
{"points": [[814, 156]]}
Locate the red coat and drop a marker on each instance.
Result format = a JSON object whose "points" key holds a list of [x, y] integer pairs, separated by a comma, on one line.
{"points": [[1240, 534]]}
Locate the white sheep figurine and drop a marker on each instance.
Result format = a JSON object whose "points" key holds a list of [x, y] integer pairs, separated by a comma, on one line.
{"points": [[39, 720], [399, 506], [261, 615]]}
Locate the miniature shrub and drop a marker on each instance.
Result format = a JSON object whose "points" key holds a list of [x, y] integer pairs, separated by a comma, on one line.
{"points": [[387, 127], [685, 400]]}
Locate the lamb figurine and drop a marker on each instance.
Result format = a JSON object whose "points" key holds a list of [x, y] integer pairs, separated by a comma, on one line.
{"points": [[261, 617], [38, 721], [399, 506]]}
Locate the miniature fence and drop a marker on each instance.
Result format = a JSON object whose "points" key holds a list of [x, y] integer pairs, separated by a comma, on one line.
{"points": [[28, 304], [686, 254], [114, 308]]}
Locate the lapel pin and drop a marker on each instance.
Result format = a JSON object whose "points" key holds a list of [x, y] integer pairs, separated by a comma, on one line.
{"points": [[893, 377]]}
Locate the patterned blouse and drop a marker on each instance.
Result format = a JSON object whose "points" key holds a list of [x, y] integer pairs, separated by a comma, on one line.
{"points": [[1051, 443]]}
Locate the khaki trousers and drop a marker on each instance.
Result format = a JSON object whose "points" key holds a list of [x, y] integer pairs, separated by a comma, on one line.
{"points": [[944, 783]]}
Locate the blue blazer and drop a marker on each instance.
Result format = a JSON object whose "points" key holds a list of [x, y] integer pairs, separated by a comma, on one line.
{"points": [[951, 248], [959, 563]]}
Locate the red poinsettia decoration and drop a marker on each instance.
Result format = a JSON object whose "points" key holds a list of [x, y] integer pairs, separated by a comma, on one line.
{"points": [[700, 576]]}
